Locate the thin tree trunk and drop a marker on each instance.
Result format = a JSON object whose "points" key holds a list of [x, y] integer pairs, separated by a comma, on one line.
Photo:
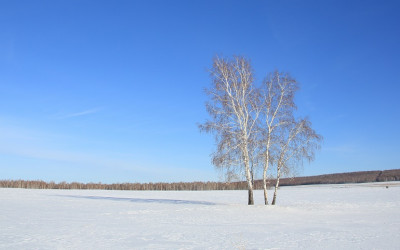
{"points": [[278, 177], [250, 187], [265, 169], [248, 177], [265, 186], [251, 197]]}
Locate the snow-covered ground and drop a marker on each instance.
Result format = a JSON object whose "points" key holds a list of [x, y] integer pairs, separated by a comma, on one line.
{"points": [[356, 216]]}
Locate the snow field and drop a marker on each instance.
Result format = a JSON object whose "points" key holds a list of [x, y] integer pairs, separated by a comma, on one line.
{"points": [[348, 216]]}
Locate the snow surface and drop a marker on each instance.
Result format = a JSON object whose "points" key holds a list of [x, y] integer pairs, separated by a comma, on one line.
{"points": [[351, 216]]}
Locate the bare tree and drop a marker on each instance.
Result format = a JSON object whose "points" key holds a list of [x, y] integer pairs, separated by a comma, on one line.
{"points": [[277, 93], [297, 141], [256, 126], [234, 112]]}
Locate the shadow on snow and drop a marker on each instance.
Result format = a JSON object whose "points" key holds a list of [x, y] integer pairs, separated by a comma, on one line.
{"points": [[141, 200]]}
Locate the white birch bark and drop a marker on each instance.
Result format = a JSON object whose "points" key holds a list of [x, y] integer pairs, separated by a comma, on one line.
{"points": [[278, 107], [234, 115], [300, 143]]}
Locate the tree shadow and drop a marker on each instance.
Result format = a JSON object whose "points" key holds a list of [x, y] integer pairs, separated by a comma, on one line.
{"points": [[142, 200]]}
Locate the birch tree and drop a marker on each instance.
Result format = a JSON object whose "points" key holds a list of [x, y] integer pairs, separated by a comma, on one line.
{"points": [[277, 93], [297, 141], [234, 112]]}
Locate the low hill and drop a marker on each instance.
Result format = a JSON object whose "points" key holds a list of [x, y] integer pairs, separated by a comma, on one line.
{"points": [[339, 178]]}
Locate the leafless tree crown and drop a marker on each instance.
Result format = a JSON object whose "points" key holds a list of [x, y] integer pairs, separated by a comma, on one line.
{"points": [[255, 127], [234, 112]]}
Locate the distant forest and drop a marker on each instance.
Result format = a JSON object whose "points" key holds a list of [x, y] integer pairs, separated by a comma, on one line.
{"points": [[351, 177]]}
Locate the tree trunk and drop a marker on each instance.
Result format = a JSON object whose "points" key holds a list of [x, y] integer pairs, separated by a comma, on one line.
{"points": [[276, 186], [250, 187], [251, 198], [265, 169], [265, 186], [248, 175], [274, 199]]}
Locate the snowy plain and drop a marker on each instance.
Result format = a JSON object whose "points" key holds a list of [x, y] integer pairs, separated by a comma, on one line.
{"points": [[344, 216]]}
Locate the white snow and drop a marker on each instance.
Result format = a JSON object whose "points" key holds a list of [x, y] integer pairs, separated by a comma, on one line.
{"points": [[351, 216]]}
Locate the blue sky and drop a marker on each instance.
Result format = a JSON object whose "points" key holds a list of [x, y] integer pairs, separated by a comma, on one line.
{"points": [[112, 91]]}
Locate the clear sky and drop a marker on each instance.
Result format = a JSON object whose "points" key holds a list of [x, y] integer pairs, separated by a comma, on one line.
{"points": [[112, 91]]}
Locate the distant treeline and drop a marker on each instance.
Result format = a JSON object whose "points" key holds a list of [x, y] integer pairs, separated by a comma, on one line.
{"points": [[352, 177], [37, 184]]}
